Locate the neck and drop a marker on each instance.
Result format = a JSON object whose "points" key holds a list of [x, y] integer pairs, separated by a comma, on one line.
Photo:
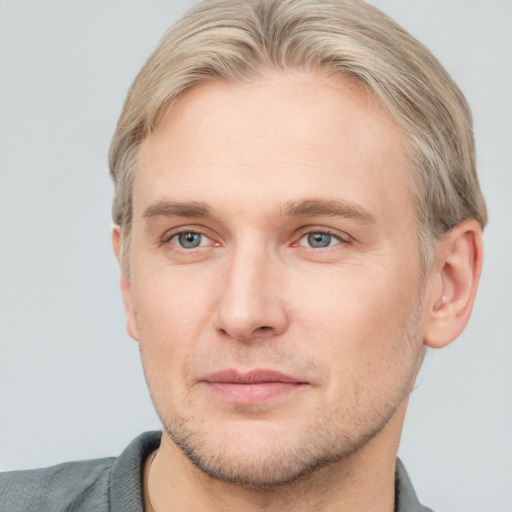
{"points": [[361, 482]]}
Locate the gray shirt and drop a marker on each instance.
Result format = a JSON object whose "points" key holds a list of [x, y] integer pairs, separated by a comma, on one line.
{"points": [[114, 484]]}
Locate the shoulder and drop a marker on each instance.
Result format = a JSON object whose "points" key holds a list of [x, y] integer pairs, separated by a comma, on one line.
{"points": [[101, 485], [74, 486]]}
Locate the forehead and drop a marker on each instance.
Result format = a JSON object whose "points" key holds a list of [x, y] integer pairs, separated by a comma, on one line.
{"points": [[282, 138]]}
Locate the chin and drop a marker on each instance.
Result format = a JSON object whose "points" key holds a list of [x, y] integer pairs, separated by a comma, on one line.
{"points": [[266, 460]]}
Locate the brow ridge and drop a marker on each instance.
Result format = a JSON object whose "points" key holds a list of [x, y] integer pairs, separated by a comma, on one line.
{"points": [[167, 208], [304, 208], [328, 207]]}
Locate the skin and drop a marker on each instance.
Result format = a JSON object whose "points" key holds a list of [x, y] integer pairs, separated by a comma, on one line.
{"points": [[259, 171]]}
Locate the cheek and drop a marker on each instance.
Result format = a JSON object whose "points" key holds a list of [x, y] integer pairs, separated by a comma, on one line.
{"points": [[359, 320], [171, 313], [167, 330], [368, 345], [167, 301]]}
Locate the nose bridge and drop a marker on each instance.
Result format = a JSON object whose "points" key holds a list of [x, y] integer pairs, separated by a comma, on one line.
{"points": [[250, 303]]}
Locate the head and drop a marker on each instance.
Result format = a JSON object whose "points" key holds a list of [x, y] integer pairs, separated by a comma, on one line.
{"points": [[297, 205]]}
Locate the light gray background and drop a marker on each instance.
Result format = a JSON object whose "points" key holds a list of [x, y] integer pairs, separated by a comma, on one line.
{"points": [[70, 382]]}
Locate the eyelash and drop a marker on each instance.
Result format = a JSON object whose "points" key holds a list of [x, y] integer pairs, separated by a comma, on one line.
{"points": [[343, 239], [168, 236]]}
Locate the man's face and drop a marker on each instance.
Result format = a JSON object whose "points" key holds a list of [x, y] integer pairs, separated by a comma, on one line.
{"points": [[275, 275]]}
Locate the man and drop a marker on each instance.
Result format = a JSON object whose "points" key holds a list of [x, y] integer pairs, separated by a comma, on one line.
{"points": [[297, 217]]}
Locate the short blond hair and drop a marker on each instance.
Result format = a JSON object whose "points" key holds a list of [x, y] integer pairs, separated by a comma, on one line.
{"points": [[239, 40]]}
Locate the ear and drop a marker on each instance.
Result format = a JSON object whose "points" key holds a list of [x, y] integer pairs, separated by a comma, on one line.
{"points": [[126, 289], [453, 283]]}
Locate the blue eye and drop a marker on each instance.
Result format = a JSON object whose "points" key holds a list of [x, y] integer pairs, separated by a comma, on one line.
{"points": [[189, 240], [319, 240]]}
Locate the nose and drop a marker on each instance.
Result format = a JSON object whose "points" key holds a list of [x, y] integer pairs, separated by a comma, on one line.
{"points": [[251, 302]]}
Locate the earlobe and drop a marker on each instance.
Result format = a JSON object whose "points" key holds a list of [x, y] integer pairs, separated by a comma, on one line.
{"points": [[125, 285], [456, 273]]}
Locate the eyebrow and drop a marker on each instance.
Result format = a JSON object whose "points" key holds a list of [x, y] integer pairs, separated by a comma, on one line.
{"points": [[177, 209], [304, 208], [329, 207]]}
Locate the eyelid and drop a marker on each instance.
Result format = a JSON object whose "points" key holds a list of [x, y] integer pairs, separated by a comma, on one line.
{"points": [[342, 236], [171, 233]]}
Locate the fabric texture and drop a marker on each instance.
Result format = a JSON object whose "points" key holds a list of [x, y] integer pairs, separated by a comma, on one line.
{"points": [[114, 484]]}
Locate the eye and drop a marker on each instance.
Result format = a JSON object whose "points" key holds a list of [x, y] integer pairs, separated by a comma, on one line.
{"points": [[319, 240], [190, 240]]}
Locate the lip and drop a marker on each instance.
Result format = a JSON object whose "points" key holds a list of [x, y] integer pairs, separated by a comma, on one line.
{"points": [[253, 387]]}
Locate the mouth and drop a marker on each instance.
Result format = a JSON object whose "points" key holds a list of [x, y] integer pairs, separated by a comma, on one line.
{"points": [[253, 387]]}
